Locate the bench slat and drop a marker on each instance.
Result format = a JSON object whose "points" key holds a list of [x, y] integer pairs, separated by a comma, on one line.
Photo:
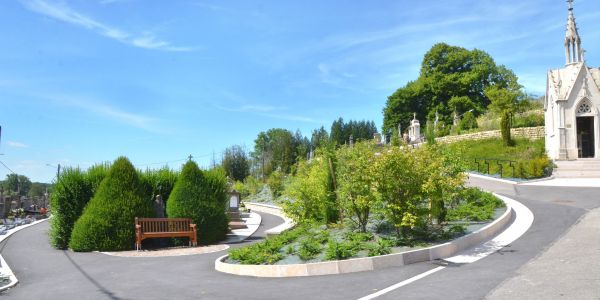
{"points": [[164, 227]]}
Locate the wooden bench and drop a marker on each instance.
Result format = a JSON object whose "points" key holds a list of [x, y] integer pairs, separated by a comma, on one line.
{"points": [[164, 227]]}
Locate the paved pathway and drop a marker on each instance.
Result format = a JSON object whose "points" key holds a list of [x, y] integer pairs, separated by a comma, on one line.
{"points": [[570, 269], [50, 274]]}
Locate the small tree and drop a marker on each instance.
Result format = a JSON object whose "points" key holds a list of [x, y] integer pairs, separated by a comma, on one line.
{"points": [[505, 126], [356, 177], [468, 121], [200, 196], [399, 181], [107, 222]]}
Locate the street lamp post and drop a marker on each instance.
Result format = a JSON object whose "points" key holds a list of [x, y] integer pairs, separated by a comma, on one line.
{"points": [[57, 169]]}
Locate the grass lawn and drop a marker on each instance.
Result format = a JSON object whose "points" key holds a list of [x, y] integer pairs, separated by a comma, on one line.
{"points": [[529, 156]]}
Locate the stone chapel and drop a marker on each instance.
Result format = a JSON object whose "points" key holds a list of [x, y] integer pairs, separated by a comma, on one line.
{"points": [[572, 103]]}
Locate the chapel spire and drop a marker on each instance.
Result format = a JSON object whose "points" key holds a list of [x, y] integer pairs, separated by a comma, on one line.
{"points": [[573, 51]]}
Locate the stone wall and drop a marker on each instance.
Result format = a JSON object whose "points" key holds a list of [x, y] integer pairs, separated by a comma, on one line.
{"points": [[532, 133]]}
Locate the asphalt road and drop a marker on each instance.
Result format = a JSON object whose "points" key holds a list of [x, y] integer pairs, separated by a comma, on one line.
{"points": [[45, 273]]}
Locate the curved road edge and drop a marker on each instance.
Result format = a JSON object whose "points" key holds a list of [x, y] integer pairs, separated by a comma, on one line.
{"points": [[4, 267]]}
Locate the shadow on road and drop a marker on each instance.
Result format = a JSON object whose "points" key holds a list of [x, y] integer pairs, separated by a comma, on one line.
{"points": [[90, 278]]}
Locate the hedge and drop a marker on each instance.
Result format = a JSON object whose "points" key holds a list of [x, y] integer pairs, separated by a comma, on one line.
{"points": [[71, 193], [107, 223]]}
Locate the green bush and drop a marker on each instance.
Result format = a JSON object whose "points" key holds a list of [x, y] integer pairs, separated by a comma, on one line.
{"points": [[70, 195], [267, 251], [158, 182], [275, 182], [95, 174], [107, 222], [309, 248], [200, 196], [474, 205], [468, 121], [382, 247], [339, 250]]}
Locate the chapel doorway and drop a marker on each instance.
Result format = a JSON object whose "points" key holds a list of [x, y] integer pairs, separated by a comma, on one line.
{"points": [[585, 137]]}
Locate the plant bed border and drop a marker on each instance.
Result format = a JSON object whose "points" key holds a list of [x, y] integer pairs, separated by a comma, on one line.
{"points": [[371, 263]]}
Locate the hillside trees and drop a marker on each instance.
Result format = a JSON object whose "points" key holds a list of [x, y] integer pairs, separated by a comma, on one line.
{"points": [[451, 79]]}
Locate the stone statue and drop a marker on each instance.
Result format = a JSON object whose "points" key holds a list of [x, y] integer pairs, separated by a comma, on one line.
{"points": [[159, 207]]}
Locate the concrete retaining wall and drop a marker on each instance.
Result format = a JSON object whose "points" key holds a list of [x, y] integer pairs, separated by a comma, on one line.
{"points": [[371, 263], [274, 210], [532, 133]]}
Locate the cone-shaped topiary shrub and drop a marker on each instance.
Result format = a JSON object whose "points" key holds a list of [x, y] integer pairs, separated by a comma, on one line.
{"points": [[107, 223], [70, 195], [200, 196]]}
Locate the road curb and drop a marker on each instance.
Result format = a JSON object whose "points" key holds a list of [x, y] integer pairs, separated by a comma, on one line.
{"points": [[274, 210], [371, 263], [4, 267]]}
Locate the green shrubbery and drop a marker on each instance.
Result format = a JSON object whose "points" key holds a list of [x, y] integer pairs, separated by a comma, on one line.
{"points": [[107, 223], [529, 156], [475, 205], [200, 196], [158, 182], [71, 193]]}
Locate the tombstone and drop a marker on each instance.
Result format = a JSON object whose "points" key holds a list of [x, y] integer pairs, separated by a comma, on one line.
{"points": [[414, 131], [235, 219], [234, 200]]}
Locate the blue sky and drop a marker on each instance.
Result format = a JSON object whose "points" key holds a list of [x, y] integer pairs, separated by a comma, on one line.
{"points": [[84, 81]]}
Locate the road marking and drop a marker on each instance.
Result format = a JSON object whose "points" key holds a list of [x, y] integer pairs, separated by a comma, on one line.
{"points": [[401, 284], [523, 220]]}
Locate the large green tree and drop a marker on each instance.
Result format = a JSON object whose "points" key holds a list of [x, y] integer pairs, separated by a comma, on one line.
{"points": [[275, 149], [236, 163], [451, 79], [17, 184]]}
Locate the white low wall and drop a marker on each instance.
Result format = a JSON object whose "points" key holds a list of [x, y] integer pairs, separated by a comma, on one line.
{"points": [[371, 263], [274, 210]]}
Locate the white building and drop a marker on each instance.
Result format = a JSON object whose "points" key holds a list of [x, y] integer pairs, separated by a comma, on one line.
{"points": [[572, 103]]}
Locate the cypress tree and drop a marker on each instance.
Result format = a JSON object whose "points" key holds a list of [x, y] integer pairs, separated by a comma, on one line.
{"points": [[201, 196], [107, 223]]}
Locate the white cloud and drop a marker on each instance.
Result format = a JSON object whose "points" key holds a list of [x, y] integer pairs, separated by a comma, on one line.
{"points": [[16, 144], [62, 12], [108, 111]]}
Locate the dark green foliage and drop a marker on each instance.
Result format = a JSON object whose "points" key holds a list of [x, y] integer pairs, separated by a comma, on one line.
{"points": [[17, 184], [267, 251], [275, 149], [359, 130], [70, 195], [95, 174], [382, 247], [107, 222], [158, 182], [505, 128], [468, 121], [308, 249], [475, 205], [339, 250], [201, 196], [236, 163], [451, 78]]}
